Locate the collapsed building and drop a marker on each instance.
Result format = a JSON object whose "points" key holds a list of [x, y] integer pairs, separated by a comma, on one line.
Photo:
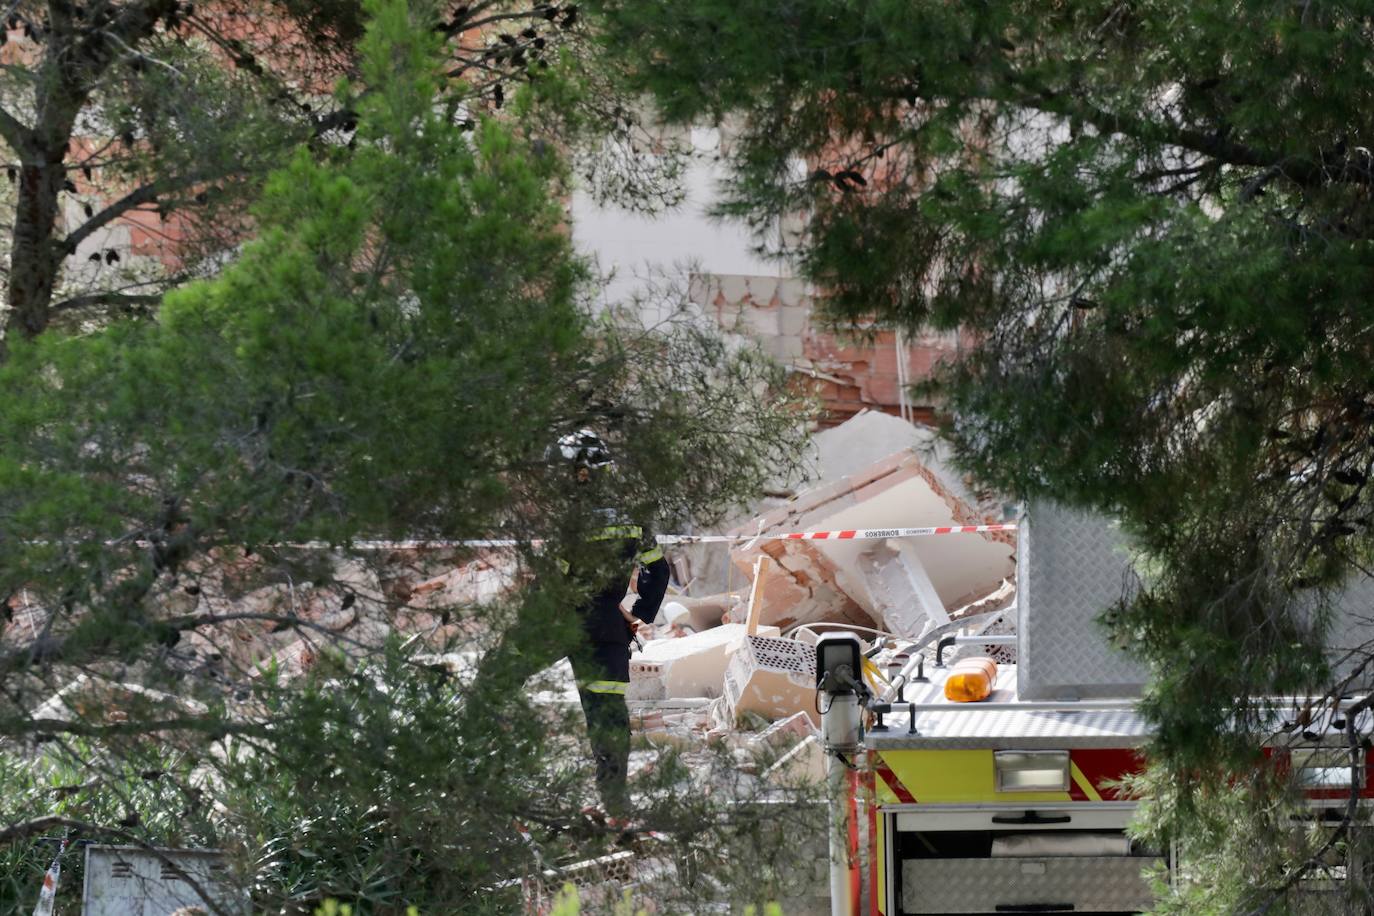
{"points": [[731, 658], [738, 664]]}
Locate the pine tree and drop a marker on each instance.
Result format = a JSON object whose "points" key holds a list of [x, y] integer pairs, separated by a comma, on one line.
{"points": [[390, 358], [1153, 222], [136, 132]]}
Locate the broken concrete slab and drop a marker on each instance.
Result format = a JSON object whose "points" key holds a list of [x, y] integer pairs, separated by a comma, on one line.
{"points": [[865, 438], [476, 582], [688, 666], [803, 765], [841, 451], [805, 589], [826, 581], [785, 732], [900, 590]]}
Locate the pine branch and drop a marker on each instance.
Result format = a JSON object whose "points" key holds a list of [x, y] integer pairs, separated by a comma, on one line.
{"points": [[146, 194], [210, 726], [17, 135], [106, 298]]}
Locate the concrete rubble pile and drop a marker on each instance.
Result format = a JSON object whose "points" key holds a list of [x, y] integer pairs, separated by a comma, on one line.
{"points": [[269, 620], [720, 666], [731, 655]]}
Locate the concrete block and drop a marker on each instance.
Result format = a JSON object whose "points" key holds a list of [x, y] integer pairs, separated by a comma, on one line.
{"points": [[902, 592], [763, 291], [689, 666], [793, 319], [786, 349], [759, 321], [733, 288], [646, 679], [792, 292], [772, 678]]}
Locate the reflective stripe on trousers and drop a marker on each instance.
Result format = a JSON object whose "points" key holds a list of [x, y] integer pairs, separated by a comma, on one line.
{"points": [[607, 687]]}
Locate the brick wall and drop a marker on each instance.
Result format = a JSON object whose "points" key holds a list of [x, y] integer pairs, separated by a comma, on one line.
{"points": [[847, 371]]}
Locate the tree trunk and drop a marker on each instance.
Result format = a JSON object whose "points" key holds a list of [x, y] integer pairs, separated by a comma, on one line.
{"points": [[74, 60], [34, 262]]}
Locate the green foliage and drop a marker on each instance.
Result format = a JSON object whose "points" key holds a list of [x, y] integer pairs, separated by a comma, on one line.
{"points": [[334, 908], [160, 787], [387, 795], [390, 794], [1152, 223], [568, 903], [390, 357], [1249, 846]]}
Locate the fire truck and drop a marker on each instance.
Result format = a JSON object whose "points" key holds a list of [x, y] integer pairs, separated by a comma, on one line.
{"points": [[1011, 804]]}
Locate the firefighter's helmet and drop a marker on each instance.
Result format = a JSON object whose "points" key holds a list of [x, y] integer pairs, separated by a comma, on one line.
{"points": [[582, 449]]}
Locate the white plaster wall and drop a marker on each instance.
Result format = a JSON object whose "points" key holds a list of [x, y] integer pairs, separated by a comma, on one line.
{"points": [[634, 246]]}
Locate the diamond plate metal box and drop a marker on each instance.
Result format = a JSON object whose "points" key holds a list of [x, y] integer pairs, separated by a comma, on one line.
{"points": [[131, 881], [1070, 567], [1024, 885]]}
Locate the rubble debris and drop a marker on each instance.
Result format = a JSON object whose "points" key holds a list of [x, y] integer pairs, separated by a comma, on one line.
{"points": [[479, 581], [711, 610], [901, 591], [786, 731], [865, 438], [773, 678], [688, 666], [803, 764], [835, 453], [914, 581], [1001, 599], [760, 660], [723, 668], [806, 590]]}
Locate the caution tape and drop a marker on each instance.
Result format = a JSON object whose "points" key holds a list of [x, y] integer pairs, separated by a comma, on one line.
{"points": [[47, 895], [849, 534]]}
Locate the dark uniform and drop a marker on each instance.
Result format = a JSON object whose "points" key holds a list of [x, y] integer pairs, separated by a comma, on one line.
{"points": [[602, 666]]}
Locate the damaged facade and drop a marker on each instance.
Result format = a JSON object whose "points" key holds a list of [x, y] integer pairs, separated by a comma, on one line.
{"points": [[727, 282], [754, 663]]}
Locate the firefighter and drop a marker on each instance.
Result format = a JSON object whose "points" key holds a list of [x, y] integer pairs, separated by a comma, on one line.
{"points": [[601, 665]]}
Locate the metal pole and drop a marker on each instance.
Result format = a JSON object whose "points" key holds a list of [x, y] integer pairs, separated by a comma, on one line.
{"points": [[1066, 706], [919, 646], [841, 729]]}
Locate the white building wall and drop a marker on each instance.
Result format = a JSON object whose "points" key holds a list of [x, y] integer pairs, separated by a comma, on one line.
{"points": [[635, 248]]}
